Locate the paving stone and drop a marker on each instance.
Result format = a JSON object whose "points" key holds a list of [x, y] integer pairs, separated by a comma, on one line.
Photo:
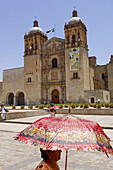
{"points": [[17, 155]]}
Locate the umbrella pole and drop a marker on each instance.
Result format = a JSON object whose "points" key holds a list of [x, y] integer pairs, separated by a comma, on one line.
{"points": [[66, 161], [69, 109]]}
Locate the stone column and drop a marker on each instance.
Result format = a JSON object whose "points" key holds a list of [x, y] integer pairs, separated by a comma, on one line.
{"points": [[14, 100]]}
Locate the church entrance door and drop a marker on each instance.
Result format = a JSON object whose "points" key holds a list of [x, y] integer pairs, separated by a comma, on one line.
{"points": [[11, 99], [20, 99], [55, 96], [92, 100]]}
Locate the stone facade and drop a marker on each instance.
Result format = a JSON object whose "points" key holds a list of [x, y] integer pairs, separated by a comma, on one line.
{"points": [[97, 96], [13, 86], [57, 70]]}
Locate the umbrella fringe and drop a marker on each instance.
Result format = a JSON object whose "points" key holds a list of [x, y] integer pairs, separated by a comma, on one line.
{"points": [[50, 146]]}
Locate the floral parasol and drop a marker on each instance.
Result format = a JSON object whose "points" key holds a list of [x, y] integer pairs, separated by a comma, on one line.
{"points": [[54, 107], [69, 132]]}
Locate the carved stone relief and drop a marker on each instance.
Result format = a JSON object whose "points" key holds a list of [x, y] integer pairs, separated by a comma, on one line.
{"points": [[54, 76]]}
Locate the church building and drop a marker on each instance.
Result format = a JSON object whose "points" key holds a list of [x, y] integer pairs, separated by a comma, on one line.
{"points": [[58, 70]]}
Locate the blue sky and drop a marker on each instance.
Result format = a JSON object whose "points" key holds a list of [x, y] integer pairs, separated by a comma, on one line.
{"points": [[17, 16]]}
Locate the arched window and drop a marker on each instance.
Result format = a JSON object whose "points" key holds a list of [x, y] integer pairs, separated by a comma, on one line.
{"points": [[54, 63], [73, 40], [103, 76], [20, 99], [29, 79], [11, 99], [75, 75], [78, 36]]}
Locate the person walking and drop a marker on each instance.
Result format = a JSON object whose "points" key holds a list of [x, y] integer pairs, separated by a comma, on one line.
{"points": [[3, 112], [52, 109]]}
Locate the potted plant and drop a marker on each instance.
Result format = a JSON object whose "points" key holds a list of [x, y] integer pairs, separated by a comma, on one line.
{"points": [[30, 106]]}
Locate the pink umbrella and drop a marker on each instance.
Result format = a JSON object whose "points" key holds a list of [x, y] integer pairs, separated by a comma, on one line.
{"points": [[69, 132], [54, 107]]}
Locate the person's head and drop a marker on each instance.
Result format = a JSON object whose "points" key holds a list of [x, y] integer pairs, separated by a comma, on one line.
{"points": [[52, 110], [2, 105], [48, 154]]}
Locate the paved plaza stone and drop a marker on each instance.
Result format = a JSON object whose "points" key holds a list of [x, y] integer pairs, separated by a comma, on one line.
{"points": [[17, 155]]}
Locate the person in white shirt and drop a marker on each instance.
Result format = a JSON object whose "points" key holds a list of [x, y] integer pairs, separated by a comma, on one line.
{"points": [[3, 112]]}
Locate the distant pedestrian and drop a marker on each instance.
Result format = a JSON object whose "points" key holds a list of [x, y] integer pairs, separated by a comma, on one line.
{"points": [[52, 104], [52, 109], [52, 112], [3, 112]]}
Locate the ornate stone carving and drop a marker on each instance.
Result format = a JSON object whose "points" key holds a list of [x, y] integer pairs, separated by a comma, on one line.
{"points": [[54, 76]]}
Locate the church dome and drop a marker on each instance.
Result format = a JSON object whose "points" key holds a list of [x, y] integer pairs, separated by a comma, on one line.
{"points": [[73, 19], [35, 28]]}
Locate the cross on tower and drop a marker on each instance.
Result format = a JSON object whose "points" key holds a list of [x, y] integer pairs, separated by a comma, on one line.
{"points": [[74, 7]]}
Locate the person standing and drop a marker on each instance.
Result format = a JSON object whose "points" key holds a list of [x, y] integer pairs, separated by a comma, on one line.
{"points": [[3, 112]]}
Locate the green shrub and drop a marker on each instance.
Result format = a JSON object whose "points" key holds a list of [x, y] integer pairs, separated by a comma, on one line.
{"points": [[30, 106], [98, 105], [66, 105], [13, 107], [106, 104], [41, 106], [73, 105], [81, 105], [8, 105], [91, 104], [111, 105], [86, 105], [48, 105], [94, 105], [36, 106], [76, 105], [61, 106], [102, 104], [22, 107]]}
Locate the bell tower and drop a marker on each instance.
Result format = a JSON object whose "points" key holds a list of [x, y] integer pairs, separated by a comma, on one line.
{"points": [[33, 42], [76, 58], [75, 32]]}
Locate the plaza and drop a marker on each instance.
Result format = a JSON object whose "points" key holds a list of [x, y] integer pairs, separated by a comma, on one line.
{"points": [[17, 155]]}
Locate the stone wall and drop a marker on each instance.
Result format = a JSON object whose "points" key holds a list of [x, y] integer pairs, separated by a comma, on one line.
{"points": [[81, 111], [110, 79], [1, 92], [91, 74], [13, 82], [98, 95], [32, 69], [99, 77]]}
